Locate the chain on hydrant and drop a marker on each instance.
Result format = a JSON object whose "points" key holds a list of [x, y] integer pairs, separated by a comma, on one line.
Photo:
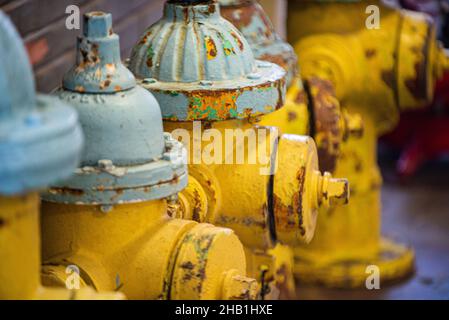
{"points": [[263, 185], [110, 219], [377, 72], [40, 143]]}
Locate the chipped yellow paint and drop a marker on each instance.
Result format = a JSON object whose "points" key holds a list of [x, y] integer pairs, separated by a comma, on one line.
{"points": [[211, 48], [191, 260], [20, 255], [376, 73]]}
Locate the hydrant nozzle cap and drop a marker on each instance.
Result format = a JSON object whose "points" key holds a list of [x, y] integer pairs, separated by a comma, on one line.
{"points": [[40, 136], [98, 67]]}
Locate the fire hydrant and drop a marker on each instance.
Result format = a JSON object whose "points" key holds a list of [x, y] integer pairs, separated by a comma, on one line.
{"points": [[311, 107], [377, 72], [40, 142], [110, 219], [263, 185]]}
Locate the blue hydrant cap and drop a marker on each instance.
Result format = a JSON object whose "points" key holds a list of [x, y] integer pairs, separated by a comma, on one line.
{"points": [[98, 67], [127, 157], [250, 18], [200, 67], [40, 139]]}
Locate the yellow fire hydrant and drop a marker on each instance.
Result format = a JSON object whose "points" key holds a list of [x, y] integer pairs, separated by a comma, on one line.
{"points": [[110, 219], [263, 185], [377, 72], [311, 107], [40, 142]]}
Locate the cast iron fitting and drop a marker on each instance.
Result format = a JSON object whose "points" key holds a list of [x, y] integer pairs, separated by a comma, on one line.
{"points": [[40, 139], [251, 19], [237, 287], [127, 157], [199, 67], [300, 190], [98, 67]]}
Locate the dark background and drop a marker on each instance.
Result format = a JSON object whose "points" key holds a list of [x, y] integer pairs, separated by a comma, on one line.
{"points": [[43, 21]]}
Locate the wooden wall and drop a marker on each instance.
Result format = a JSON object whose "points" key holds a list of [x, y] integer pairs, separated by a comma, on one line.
{"points": [[43, 22]]}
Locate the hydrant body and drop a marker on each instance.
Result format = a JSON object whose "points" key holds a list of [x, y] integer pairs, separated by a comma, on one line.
{"points": [[212, 91], [377, 72], [40, 143], [110, 219], [311, 107]]}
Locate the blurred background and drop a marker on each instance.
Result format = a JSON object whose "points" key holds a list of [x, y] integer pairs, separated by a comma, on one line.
{"points": [[414, 158]]}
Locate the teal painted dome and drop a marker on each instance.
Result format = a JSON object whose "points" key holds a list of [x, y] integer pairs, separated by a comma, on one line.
{"points": [[40, 139]]}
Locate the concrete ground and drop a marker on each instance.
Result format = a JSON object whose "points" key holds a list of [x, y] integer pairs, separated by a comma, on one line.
{"points": [[417, 213]]}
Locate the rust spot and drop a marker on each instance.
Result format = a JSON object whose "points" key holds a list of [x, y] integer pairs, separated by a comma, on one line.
{"points": [[211, 48], [117, 88], [292, 116], [326, 117], [388, 77], [211, 9], [286, 62], [238, 40], [290, 216], [67, 191], [105, 84], [149, 62], [221, 104], [370, 53], [188, 265], [301, 97], [175, 179], [196, 206]]}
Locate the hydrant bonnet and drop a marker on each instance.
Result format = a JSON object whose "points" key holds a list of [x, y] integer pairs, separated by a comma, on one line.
{"points": [[40, 138], [127, 157], [199, 67]]}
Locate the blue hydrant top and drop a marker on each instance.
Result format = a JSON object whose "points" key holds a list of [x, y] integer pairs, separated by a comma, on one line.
{"points": [[200, 67], [127, 157], [40, 139], [98, 67], [250, 18]]}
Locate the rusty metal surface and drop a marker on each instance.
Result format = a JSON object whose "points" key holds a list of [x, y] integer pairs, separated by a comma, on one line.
{"points": [[326, 121], [199, 67], [250, 18]]}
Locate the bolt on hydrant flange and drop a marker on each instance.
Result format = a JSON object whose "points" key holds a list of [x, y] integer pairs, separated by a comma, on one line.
{"points": [[199, 67], [40, 143], [110, 219], [377, 73]]}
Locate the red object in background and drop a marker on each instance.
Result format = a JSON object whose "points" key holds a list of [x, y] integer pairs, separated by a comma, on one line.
{"points": [[424, 134], [37, 50]]}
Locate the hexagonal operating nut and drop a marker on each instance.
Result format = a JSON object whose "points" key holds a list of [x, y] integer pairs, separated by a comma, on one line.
{"points": [[335, 192], [97, 24], [237, 287]]}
